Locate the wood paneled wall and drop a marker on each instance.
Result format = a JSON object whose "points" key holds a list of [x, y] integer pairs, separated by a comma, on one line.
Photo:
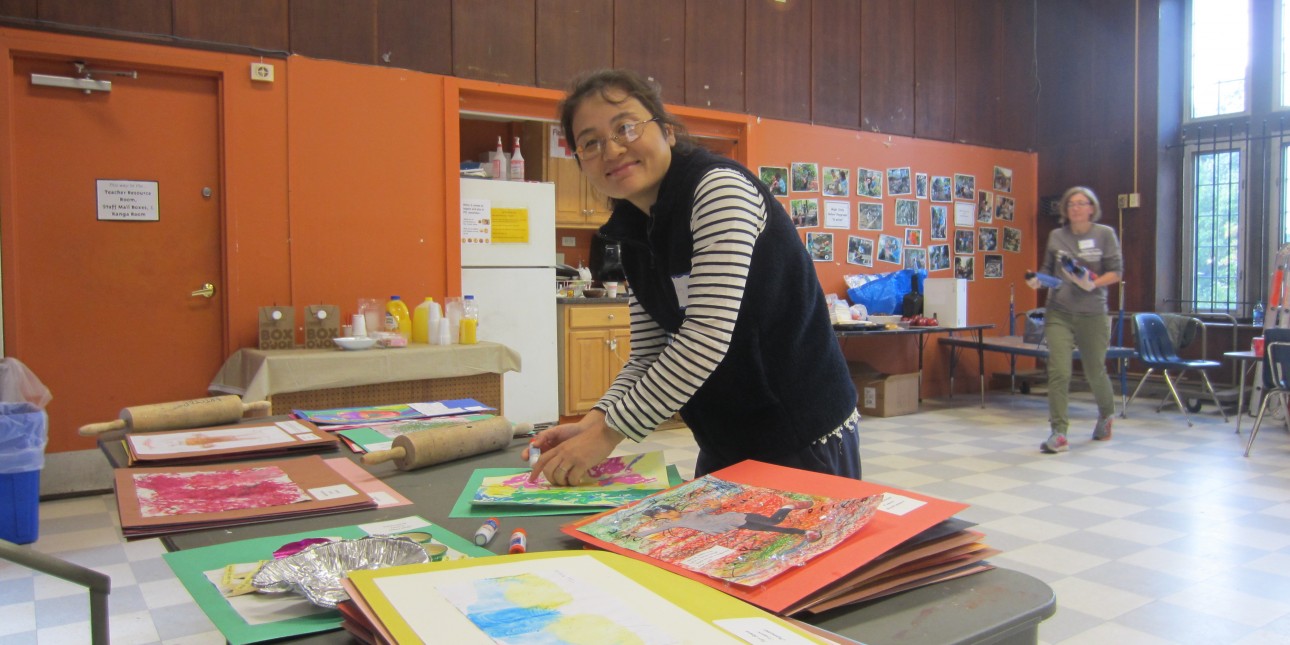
{"points": [[951, 70]]}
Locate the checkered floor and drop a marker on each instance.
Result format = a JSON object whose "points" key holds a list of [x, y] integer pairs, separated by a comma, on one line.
{"points": [[1165, 534]]}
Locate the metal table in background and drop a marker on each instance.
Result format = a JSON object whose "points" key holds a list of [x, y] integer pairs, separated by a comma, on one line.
{"points": [[1017, 346], [921, 334], [1245, 361], [998, 607]]}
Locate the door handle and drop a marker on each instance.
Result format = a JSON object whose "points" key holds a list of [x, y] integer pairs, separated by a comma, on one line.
{"points": [[207, 291]]}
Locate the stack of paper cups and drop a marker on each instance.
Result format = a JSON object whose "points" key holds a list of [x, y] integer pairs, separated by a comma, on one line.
{"points": [[360, 325], [443, 337]]}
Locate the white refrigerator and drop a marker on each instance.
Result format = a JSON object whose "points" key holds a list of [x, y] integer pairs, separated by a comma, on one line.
{"points": [[508, 265]]}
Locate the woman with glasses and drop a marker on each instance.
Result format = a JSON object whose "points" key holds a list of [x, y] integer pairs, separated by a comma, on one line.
{"points": [[728, 320], [1086, 256]]}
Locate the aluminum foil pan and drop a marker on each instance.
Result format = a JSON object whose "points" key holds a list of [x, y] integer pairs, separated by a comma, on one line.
{"points": [[317, 571]]}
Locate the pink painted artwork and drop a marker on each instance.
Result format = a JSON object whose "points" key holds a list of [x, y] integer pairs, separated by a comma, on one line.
{"points": [[187, 493]]}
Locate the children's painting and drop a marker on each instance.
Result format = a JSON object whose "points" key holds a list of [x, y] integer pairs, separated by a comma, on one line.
{"points": [[198, 441], [398, 412], [618, 480], [186, 493], [741, 534], [550, 608]]}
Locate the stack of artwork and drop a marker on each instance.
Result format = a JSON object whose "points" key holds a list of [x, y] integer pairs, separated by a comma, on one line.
{"points": [[617, 481], [227, 442]]}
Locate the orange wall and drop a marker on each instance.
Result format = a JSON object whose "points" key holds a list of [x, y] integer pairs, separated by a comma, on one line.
{"points": [[779, 143]]}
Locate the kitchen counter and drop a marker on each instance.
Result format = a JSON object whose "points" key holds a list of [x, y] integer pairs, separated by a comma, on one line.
{"points": [[620, 300]]}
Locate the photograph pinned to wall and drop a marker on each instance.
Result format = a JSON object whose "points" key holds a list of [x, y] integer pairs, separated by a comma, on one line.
{"points": [[992, 266], [920, 185], [940, 222], [965, 267], [806, 177], [869, 183], [837, 182], [868, 216], [1006, 209], [938, 257], [942, 189], [820, 246], [837, 214], [987, 238], [899, 181], [964, 215], [913, 237], [965, 241], [984, 206], [889, 249], [859, 251], [805, 212], [1003, 179], [906, 212], [916, 259], [1012, 239], [775, 178], [964, 187]]}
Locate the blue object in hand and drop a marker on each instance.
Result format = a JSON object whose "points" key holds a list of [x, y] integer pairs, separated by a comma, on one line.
{"points": [[1045, 280]]}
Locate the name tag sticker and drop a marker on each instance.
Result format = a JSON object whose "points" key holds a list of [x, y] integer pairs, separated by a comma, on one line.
{"points": [[1086, 244]]}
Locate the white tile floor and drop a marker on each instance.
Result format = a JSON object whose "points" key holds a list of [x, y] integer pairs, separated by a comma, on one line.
{"points": [[1165, 534]]}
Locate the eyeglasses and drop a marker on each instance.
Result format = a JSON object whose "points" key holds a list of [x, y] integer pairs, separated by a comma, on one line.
{"points": [[1075, 203], [624, 134]]}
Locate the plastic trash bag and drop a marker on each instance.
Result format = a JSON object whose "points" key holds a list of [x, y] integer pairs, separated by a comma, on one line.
{"points": [[24, 425], [1033, 332], [884, 293]]}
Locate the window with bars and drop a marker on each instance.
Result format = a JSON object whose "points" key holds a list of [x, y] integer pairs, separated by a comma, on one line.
{"points": [[1215, 239]]}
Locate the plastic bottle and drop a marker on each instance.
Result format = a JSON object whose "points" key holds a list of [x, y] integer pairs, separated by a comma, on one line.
{"points": [[498, 163], [1258, 314], [421, 321], [516, 172], [469, 328], [397, 318]]}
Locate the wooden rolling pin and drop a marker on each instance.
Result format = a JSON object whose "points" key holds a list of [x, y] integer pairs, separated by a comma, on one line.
{"points": [[437, 445], [193, 413]]}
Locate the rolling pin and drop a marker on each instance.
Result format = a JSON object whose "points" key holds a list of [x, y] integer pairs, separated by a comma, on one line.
{"points": [[437, 445], [193, 413]]}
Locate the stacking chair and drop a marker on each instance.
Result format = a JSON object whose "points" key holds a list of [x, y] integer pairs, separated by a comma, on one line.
{"points": [[1156, 350], [1276, 381]]}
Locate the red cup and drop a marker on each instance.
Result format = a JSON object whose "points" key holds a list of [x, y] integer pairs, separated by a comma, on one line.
{"points": [[1257, 346]]}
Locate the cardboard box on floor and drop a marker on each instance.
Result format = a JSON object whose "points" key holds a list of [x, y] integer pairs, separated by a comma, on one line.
{"points": [[884, 395]]}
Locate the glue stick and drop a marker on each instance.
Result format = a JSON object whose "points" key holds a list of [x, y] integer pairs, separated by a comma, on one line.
{"points": [[484, 534], [519, 541], [534, 453]]}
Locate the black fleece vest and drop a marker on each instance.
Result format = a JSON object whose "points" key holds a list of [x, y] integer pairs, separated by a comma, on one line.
{"points": [[784, 382]]}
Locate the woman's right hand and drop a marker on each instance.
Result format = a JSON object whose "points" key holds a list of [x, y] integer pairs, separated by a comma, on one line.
{"points": [[1032, 282], [569, 450]]}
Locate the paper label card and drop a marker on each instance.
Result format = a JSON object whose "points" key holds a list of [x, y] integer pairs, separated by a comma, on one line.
{"points": [[124, 200], [332, 492], [761, 630], [899, 504], [392, 527]]}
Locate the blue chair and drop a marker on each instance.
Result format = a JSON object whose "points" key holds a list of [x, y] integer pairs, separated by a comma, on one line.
{"points": [[1156, 350], [1276, 381]]}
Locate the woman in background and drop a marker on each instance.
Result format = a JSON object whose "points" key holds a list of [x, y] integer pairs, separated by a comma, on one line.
{"points": [[1086, 256], [728, 319]]}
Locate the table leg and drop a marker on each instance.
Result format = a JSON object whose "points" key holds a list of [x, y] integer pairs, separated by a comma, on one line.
{"points": [[980, 357], [1240, 398], [922, 342], [954, 355]]}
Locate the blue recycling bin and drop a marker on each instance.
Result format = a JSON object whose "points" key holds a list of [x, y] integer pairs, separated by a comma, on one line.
{"points": [[24, 431]]}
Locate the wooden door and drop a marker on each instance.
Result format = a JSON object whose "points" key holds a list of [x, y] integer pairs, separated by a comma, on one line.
{"points": [[102, 310]]}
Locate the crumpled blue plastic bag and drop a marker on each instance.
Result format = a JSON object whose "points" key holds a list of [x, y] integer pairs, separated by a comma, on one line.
{"points": [[24, 431], [883, 294]]}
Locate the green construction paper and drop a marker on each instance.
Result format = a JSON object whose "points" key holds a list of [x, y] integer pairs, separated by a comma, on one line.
{"points": [[364, 437], [189, 566], [463, 508]]}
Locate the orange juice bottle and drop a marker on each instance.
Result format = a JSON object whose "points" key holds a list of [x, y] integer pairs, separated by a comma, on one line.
{"points": [[397, 318]]}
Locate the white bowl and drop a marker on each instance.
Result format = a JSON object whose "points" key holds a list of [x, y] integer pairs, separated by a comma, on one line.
{"points": [[354, 342]]}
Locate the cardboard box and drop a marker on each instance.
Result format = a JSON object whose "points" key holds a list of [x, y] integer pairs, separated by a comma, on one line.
{"points": [[946, 300], [886, 395]]}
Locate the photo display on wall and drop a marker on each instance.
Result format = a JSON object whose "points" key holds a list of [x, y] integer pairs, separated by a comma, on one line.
{"points": [[859, 251], [869, 183], [806, 178], [837, 182], [775, 178], [889, 249], [938, 257], [820, 246]]}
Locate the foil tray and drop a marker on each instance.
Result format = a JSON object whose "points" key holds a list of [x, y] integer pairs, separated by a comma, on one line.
{"points": [[317, 571]]}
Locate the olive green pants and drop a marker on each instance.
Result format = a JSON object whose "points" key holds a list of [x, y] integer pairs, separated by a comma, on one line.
{"points": [[1091, 333]]}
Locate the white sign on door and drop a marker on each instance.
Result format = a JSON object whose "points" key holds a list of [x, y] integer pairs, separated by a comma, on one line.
{"points": [[128, 201]]}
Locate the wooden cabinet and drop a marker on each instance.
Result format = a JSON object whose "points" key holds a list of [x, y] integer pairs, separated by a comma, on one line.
{"points": [[577, 204], [595, 341]]}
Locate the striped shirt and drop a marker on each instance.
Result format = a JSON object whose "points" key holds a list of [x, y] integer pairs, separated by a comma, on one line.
{"points": [[664, 370]]}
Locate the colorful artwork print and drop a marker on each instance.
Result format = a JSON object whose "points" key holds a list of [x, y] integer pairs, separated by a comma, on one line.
{"points": [[869, 183], [618, 480], [206, 440], [868, 216], [938, 257], [806, 178], [397, 412], [187, 493], [859, 251], [741, 534], [775, 178], [549, 608], [820, 246]]}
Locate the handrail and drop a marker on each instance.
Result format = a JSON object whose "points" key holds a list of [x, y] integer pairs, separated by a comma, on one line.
{"points": [[98, 584]]}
